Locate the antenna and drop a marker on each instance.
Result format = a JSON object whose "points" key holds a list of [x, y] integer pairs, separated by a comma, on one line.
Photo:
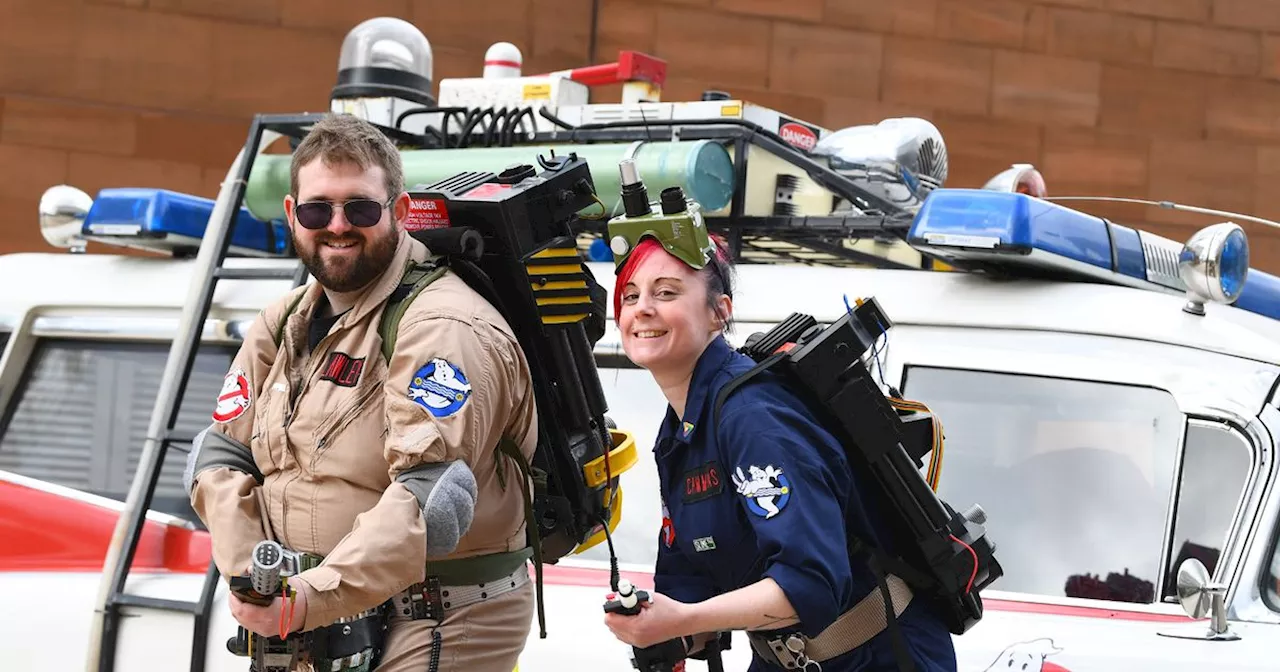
{"points": [[1168, 205]]}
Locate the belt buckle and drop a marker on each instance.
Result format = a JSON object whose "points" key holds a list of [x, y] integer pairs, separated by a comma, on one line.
{"points": [[425, 601]]}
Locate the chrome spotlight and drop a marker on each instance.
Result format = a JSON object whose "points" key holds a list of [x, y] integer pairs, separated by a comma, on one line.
{"points": [[1214, 265], [900, 159], [62, 212]]}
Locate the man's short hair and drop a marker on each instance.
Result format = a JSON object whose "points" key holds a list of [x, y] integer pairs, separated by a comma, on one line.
{"points": [[345, 138]]}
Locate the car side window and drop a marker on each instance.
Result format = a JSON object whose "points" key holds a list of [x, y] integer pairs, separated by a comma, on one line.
{"points": [[1271, 578], [1075, 476], [81, 416], [1215, 467]]}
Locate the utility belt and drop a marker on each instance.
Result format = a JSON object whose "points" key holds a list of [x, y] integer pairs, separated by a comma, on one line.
{"points": [[453, 584], [854, 628], [354, 643]]}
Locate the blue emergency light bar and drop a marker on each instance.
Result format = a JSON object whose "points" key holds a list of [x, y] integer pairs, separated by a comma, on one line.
{"points": [[168, 221], [1024, 235]]}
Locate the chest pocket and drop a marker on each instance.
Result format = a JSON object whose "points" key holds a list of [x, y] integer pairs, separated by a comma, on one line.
{"points": [[711, 528], [353, 425]]}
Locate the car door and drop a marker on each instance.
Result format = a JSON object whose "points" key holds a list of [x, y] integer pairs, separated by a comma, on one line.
{"points": [[1097, 475]]}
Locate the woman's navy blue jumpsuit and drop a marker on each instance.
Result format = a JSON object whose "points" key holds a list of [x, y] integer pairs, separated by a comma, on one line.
{"points": [[718, 535]]}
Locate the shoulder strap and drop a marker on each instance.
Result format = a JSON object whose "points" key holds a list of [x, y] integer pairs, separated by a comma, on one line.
{"points": [[741, 380], [278, 336], [415, 279]]}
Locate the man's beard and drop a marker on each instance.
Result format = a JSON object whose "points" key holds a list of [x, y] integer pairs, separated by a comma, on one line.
{"points": [[343, 275]]}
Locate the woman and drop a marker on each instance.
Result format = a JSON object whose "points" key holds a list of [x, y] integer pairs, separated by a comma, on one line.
{"points": [[756, 509]]}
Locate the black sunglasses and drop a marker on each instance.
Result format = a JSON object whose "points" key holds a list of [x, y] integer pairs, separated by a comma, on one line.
{"points": [[359, 212]]}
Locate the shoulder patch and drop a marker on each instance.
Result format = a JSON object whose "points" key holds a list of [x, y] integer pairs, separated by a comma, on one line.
{"points": [[440, 387], [766, 490], [234, 397]]}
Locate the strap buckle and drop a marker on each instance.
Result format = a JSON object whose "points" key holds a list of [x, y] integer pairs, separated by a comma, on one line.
{"points": [[789, 652]]}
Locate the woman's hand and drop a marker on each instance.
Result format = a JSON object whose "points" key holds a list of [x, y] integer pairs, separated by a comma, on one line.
{"points": [[266, 621], [661, 618]]}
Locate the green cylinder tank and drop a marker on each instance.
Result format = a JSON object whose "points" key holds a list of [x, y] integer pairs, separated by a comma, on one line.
{"points": [[702, 168]]}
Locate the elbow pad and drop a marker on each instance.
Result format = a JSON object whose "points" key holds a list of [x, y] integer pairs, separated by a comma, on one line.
{"points": [[446, 492], [215, 449]]}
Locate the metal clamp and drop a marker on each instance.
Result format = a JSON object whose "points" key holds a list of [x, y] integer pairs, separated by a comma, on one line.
{"points": [[790, 654]]}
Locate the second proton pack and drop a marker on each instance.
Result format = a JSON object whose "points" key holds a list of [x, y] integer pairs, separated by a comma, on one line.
{"points": [[943, 555]]}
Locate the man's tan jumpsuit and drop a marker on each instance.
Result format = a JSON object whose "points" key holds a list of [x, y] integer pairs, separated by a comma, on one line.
{"points": [[331, 430]]}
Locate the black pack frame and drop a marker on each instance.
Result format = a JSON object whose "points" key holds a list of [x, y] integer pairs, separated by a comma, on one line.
{"points": [[823, 235]]}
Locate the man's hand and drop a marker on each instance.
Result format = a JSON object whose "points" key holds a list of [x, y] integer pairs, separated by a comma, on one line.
{"points": [[276, 620], [660, 619]]}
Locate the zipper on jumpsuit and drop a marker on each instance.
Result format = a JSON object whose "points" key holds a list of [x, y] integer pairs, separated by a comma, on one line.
{"points": [[296, 392]]}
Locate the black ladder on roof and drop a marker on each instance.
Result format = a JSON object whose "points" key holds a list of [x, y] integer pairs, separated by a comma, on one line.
{"points": [[162, 434]]}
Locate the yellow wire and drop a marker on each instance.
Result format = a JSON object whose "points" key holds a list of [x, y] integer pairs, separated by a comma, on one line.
{"points": [[935, 460], [604, 209]]}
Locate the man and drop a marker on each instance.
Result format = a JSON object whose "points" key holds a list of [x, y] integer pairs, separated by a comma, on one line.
{"points": [[386, 469]]}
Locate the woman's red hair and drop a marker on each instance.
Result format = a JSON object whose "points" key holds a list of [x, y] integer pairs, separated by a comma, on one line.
{"points": [[646, 247]]}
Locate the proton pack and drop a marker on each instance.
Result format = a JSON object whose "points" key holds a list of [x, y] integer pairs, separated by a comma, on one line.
{"points": [[943, 556], [509, 236]]}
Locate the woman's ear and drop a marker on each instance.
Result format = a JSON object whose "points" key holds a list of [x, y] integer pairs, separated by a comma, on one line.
{"points": [[724, 311]]}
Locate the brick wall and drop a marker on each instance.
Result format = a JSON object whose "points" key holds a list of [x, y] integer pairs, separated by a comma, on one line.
{"points": [[1162, 99]]}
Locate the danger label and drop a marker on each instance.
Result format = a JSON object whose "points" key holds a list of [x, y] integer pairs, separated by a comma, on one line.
{"points": [[798, 135], [426, 213]]}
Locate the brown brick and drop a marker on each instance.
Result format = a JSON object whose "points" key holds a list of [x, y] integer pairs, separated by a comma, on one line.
{"points": [[1187, 10], [978, 148], [38, 40], [1080, 4], [341, 16], [738, 55], [1243, 109], [1271, 56], [145, 59], [92, 172], [261, 70], [1207, 173], [1046, 88], [1001, 23], [623, 24], [1247, 14], [845, 112], [1266, 177], [1213, 50], [1099, 36], [21, 234], [25, 172], [817, 61], [252, 11], [918, 17], [459, 62], [63, 125], [190, 138], [562, 35], [473, 26], [136, 4], [797, 10], [1147, 101], [941, 75], [1103, 160]]}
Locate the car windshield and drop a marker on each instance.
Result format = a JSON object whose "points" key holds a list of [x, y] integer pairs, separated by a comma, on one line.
{"points": [[1075, 476]]}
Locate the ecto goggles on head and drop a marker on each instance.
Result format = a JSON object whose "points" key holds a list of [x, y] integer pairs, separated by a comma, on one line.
{"points": [[678, 227]]}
